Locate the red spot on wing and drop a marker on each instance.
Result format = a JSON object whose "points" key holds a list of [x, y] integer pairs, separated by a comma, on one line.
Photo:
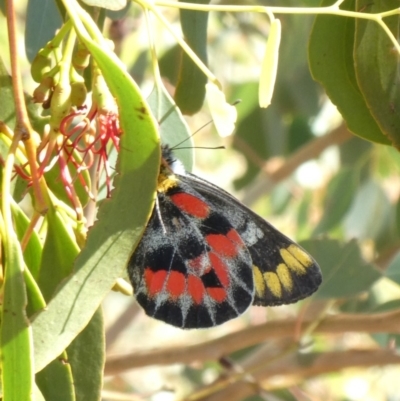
{"points": [[196, 289], [176, 284], [225, 245], [220, 268], [191, 205], [218, 294], [234, 236], [154, 280]]}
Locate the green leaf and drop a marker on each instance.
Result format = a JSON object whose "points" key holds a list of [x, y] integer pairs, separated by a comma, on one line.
{"points": [[331, 63], [393, 270], [7, 109], [340, 193], [370, 214], [303, 215], [398, 217], [121, 219], [32, 258], [33, 249], [386, 340], [59, 252], [172, 126], [190, 90], [269, 66], [376, 66], [344, 272], [366, 303], [37, 394], [42, 20], [280, 198], [86, 355], [55, 380], [16, 334]]}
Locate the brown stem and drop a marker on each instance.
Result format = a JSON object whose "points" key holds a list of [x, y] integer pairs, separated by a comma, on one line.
{"points": [[388, 322], [29, 231], [22, 124], [21, 113]]}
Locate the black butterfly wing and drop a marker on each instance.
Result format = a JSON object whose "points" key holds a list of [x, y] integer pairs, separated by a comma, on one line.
{"points": [[191, 268], [283, 272]]}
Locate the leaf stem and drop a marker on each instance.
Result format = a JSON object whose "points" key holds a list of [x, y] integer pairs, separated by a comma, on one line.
{"points": [[330, 10], [180, 41]]}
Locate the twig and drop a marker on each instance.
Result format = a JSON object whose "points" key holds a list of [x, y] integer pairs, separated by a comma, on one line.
{"points": [[276, 170], [388, 322], [291, 370]]}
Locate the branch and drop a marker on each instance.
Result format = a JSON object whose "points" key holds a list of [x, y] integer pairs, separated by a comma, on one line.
{"points": [[388, 322], [289, 371], [276, 169]]}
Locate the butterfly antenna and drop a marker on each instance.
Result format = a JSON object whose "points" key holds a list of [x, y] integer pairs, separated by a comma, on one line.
{"points": [[202, 147], [192, 135], [199, 129]]}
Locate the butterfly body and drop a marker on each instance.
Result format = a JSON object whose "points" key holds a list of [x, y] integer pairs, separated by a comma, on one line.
{"points": [[204, 258]]}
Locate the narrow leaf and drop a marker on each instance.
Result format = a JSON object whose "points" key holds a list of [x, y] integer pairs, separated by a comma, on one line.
{"points": [[340, 193], [55, 380], [121, 219], [269, 67], [393, 270], [86, 355], [190, 90], [332, 64], [172, 126], [224, 114], [33, 250], [42, 20], [16, 334], [59, 252], [377, 66], [370, 213]]}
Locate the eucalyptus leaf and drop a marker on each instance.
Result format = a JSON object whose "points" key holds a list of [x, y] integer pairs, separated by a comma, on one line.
{"points": [[173, 128], [121, 219], [86, 355], [15, 334], [332, 64], [344, 272], [55, 380], [59, 252], [370, 213], [43, 20], [376, 66], [190, 90], [340, 193]]}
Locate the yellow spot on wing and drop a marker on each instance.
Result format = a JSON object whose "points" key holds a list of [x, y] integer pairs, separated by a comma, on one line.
{"points": [[274, 284], [300, 255], [259, 281], [284, 276], [291, 262]]}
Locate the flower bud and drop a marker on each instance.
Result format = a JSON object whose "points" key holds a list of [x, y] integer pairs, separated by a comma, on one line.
{"points": [[40, 65]]}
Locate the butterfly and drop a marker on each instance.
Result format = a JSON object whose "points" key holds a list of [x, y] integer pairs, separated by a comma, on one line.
{"points": [[204, 257]]}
